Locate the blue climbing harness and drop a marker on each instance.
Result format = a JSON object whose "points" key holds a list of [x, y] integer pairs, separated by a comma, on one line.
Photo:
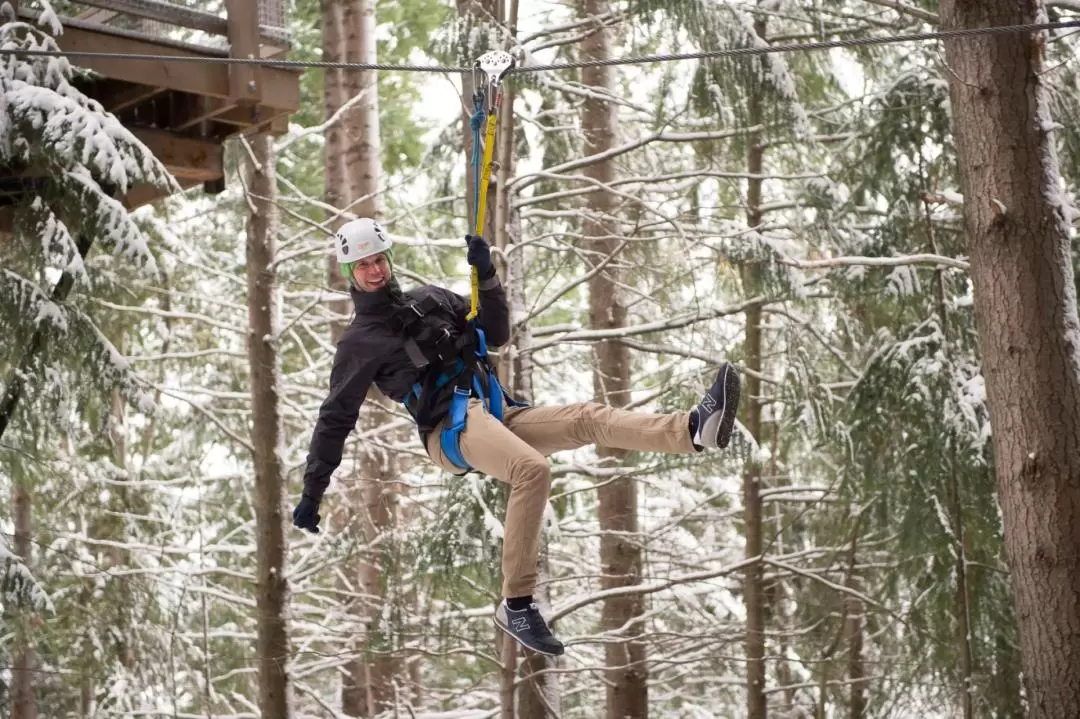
{"points": [[473, 379]]}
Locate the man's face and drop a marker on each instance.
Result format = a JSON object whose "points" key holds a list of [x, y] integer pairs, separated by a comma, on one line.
{"points": [[371, 273]]}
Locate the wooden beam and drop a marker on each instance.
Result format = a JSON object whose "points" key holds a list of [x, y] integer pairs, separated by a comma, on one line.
{"points": [[96, 16], [118, 96], [245, 81], [210, 108], [140, 195], [279, 126], [187, 158], [280, 86]]}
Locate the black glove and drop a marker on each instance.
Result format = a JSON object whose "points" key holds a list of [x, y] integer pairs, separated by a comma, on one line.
{"points": [[480, 256], [306, 515]]}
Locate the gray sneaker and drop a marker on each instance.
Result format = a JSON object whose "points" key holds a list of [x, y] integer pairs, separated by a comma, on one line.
{"points": [[717, 409], [528, 628]]}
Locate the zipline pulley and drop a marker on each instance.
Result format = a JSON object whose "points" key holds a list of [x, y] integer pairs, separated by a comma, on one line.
{"points": [[487, 98]]}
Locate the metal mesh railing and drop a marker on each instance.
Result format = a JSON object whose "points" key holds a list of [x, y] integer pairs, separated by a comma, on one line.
{"points": [[191, 23]]}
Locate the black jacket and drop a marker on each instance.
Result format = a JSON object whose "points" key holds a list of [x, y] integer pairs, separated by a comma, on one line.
{"points": [[371, 351]]}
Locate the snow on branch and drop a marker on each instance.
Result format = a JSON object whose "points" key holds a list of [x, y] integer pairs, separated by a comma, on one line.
{"points": [[29, 301], [61, 129], [110, 221], [17, 585], [112, 369], [899, 261], [583, 335], [777, 75], [54, 236], [49, 128]]}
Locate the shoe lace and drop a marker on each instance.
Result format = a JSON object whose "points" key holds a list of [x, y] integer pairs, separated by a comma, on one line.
{"points": [[536, 620]]}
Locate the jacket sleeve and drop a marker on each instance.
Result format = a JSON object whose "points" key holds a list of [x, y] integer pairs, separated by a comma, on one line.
{"points": [[350, 380], [494, 314]]}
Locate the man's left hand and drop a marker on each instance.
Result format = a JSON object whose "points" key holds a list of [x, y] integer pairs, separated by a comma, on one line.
{"points": [[306, 515], [480, 256]]}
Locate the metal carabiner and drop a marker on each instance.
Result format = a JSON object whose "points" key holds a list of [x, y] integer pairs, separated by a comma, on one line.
{"points": [[478, 87]]}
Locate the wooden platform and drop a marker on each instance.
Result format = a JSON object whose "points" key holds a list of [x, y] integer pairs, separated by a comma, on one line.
{"points": [[183, 111]]}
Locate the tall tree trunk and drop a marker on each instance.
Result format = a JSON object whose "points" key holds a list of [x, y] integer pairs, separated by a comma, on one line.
{"points": [[362, 121], [1017, 230], [474, 14], [620, 551], [335, 177], [753, 590], [24, 699], [272, 643], [370, 688]]}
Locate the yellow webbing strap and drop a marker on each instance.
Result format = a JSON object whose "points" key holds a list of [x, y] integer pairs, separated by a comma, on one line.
{"points": [[485, 176]]}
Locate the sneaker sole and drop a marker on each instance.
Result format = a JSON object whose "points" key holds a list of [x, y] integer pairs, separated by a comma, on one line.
{"points": [[506, 630], [731, 407]]}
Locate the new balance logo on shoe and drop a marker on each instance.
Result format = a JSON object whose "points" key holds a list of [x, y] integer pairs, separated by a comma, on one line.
{"points": [[708, 403], [528, 628]]}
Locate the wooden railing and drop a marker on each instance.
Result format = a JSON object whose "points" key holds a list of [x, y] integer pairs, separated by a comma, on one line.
{"points": [[192, 26]]}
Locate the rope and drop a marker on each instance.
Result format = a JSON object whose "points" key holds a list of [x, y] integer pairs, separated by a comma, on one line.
{"points": [[668, 57]]}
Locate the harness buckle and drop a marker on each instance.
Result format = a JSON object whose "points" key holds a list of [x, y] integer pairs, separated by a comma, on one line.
{"points": [[416, 309]]}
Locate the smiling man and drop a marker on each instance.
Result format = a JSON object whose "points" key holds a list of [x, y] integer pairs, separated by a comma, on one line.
{"points": [[419, 349]]}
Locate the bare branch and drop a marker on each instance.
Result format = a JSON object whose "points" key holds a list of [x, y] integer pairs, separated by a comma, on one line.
{"points": [[905, 9], [919, 259]]}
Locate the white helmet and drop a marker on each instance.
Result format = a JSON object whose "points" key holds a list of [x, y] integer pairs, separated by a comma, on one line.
{"points": [[360, 238]]}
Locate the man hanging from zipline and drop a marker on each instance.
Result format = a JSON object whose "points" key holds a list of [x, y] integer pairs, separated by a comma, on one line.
{"points": [[428, 347], [419, 348]]}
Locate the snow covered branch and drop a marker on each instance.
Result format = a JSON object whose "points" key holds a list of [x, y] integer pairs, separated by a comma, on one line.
{"points": [[834, 262]]}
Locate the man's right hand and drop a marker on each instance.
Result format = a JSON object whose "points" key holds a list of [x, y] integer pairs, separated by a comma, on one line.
{"points": [[306, 515], [479, 256]]}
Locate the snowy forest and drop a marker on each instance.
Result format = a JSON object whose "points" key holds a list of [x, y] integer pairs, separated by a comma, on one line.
{"points": [[880, 236]]}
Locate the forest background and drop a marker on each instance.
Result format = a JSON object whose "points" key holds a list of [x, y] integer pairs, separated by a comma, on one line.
{"points": [[801, 214]]}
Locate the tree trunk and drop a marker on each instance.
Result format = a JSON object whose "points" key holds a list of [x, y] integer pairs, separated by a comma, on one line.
{"points": [[620, 551], [508, 653], [272, 644], [753, 590], [24, 699], [362, 121], [335, 177], [1025, 306], [371, 686], [854, 608]]}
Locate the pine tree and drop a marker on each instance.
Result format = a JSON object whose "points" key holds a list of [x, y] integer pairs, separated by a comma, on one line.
{"points": [[78, 162]]}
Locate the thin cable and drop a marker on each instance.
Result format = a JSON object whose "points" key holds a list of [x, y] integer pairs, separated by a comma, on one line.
{"points": [[800, 47], [668, 57]]}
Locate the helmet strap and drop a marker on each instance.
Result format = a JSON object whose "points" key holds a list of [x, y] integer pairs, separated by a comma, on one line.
{"points": [[346, 268]]}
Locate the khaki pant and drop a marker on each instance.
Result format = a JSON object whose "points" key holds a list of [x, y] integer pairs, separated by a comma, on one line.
{"points": [[514, 450]]}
